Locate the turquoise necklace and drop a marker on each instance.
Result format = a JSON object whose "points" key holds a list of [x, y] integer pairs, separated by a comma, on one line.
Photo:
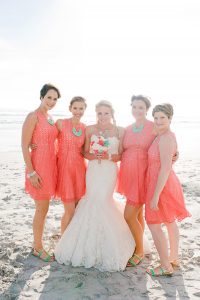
{"points": [[48, 118], [50, 121], [138, 129], [77, 132]]}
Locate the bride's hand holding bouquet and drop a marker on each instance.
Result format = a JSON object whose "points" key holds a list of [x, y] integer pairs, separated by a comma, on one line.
{"points": [[100, 147]]}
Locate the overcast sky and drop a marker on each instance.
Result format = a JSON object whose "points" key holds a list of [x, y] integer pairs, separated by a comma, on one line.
{"points": [[101, 49]]}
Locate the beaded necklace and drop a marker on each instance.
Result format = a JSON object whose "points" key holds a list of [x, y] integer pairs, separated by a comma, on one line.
{"points": [[138, 129], [50, 121], [77, 132]]}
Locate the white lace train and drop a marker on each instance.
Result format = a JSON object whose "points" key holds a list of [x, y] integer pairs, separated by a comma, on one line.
{"points": [[98, 236]]}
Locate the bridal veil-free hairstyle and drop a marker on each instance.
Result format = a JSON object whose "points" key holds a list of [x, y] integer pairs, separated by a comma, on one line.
{"points": [[48, 86], [77, 99], [165, 108], [145, 99], [107, 104]]}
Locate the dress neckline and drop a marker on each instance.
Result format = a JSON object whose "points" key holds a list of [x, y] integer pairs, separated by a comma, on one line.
{"points": [[109, 137]]}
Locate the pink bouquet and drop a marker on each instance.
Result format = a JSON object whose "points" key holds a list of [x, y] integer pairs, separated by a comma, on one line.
{"points": [[99, 144]]}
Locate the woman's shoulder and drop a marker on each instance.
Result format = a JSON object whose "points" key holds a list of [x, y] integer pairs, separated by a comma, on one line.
{"points": [[59, 120], [169, 134], [150, 123], [168, 137], [83, 125], [150, 128], [67, 120], [129, 127], [89, 129], [59, 123], [120, 131], [32, 116]]}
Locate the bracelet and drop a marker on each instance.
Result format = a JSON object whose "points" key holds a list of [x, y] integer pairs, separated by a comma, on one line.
{"points": [[29, 175], [110, 156]]}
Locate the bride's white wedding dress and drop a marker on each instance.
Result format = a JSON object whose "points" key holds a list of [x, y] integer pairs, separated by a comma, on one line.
{"points": [[98, 236]]}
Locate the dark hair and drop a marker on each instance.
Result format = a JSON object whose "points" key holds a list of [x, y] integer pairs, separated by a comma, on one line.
{"points": [[78, 99], [146, 100], [46, 88], [165, 108]]}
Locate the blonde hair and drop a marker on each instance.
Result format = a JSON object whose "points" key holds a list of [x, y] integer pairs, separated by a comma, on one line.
{"points": [[109, 105], [165, 108], [145, 99]]}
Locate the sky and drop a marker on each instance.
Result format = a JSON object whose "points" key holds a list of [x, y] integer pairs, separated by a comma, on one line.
{"points": [[101, 49]]}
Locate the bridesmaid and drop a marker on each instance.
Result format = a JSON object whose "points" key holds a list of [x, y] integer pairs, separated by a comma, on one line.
{"points": [[71, 163], [165, 201], [137, 140], [41, 171]]}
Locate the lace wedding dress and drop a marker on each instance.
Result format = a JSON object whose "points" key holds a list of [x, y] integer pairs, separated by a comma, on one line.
{"points": [[98, 236]]}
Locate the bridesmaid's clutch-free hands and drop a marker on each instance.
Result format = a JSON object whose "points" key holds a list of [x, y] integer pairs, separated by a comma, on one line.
{"points": [[154, 203], [36, 181], [175, 157], [33, 146]]}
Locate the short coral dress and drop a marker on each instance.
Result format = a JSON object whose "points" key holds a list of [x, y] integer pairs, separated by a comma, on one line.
{"points": [[43, 159], [71, 163], [171, 201], [133, 167]]}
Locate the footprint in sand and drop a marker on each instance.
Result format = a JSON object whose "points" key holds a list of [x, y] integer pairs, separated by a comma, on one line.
{"points": [[83, 274], [104, 275], [186, 225], [196, 260], [7, 197]]}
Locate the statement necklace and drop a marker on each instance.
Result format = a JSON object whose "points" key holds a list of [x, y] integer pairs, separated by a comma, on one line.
{"points": [[50, 121], [138, 129], [77, 132]]}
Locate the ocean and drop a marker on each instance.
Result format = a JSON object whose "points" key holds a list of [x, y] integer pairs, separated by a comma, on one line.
{"points": [[187, 130]]}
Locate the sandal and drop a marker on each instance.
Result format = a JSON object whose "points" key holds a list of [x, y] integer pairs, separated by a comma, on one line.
{"points": [[40, 253], [175, 263], [159, 271], [134, 260]]}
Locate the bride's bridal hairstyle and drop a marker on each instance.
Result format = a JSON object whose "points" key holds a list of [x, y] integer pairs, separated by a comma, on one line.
{"points": [[107, 104]]}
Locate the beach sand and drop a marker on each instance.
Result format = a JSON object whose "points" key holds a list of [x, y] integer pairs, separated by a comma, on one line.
{"points": [[23, 276]]}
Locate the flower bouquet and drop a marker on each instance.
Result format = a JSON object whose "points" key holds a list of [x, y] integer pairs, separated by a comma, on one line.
{"points": [[99, 144]]}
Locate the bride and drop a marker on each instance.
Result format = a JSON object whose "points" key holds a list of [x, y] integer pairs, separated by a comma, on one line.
{"points": [[98, 236]]}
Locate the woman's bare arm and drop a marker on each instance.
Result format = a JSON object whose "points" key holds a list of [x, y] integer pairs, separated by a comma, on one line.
{"points": [[87, 154], [59, 124], [166, 148], [117, 157], [27, 133]]}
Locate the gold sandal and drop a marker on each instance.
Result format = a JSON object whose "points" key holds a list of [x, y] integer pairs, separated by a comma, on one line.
{"points": [[159, 271], [175, 263]]}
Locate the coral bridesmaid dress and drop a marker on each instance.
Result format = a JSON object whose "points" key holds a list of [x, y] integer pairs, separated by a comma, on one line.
{"points": [[43, 158], [133, 168], [171, 202], [71, 163]]}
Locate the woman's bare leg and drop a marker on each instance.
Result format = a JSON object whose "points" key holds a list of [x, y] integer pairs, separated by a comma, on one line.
{"points": [[68, 215]]}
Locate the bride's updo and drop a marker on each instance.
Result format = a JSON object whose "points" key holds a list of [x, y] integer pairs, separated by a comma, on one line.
{"points": [[107, 104]]}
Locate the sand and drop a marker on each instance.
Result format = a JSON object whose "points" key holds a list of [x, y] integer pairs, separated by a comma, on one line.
{"points": [[23, 276]]}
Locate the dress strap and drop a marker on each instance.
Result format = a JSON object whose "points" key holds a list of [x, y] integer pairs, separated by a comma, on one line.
{"points": [[38, 115], [117, 132]]}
